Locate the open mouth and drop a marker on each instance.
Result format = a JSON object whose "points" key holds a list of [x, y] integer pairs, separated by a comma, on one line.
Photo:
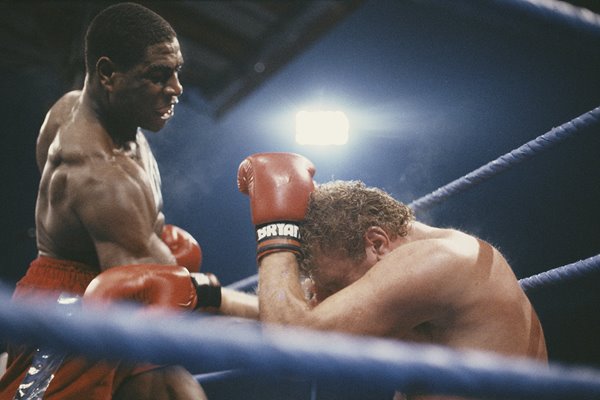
{"points": [[167, 112]]}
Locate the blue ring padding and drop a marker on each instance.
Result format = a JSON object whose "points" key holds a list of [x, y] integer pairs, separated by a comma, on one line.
{"points": [[207, 344]]}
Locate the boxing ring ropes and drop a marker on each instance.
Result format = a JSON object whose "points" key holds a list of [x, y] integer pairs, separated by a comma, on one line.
{"points": [[223, 348]]}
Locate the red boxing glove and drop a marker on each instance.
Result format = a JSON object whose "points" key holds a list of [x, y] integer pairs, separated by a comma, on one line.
{"points": [[279, 186], [183, 246], [154, 285]]}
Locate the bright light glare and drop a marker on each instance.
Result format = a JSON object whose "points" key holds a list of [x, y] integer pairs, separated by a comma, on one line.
{"points": [[321, 128]]}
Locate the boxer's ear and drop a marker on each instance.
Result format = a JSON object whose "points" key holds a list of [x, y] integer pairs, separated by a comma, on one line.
{"points": [[105, 70], [377, 240]]}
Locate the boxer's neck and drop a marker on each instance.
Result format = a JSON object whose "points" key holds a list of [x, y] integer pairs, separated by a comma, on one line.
{"points": [[95, 99]]}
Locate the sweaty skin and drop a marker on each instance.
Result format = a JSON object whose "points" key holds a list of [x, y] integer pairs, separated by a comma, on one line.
{"points": [[436, 286], [99, 199], [98, 204]]}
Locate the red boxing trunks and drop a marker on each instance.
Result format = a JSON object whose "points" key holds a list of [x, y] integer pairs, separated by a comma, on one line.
{"points": [[77, 377]]}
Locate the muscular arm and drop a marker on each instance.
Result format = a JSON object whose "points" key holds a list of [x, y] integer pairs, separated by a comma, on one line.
{"points": [[238, 304], [281, 299], [399, 293], [117, 212], [117, 209]]}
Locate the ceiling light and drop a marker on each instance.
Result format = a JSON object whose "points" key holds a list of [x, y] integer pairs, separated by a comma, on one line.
{"points": [[321, 128]]}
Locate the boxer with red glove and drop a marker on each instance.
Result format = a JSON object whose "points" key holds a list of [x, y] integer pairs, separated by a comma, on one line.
{"points": [[155, 285], [183, 246], [279, 187], [188, 253]]}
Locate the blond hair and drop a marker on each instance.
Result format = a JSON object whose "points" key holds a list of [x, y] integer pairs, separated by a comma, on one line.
{"points": [[340, 212]]}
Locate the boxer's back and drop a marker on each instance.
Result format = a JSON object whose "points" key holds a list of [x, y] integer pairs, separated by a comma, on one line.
{"points": [[484, 306], [480, 305]]}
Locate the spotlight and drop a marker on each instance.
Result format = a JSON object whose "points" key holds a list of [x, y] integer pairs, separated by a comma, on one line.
{"points": [[321, 128]]}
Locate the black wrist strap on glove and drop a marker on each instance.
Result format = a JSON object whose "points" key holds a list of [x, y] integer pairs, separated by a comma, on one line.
{"points": [[277, 236], [208, 295]]}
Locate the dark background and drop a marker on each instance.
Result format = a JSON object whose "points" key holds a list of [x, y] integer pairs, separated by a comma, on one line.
{"points": [[431, 94]]}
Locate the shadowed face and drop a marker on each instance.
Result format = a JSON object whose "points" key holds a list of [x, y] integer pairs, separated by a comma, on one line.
{"points": [[145, 95], [333, 273]]}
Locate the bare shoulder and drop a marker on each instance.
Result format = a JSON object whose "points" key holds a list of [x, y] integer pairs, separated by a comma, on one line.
{"points": [[81, 199], [473, 249], [60, 111], [112, 203], [448, 254], [104, 178], [433, 259], [454, 242], [422, 278], [56, 117], [107, 197]]}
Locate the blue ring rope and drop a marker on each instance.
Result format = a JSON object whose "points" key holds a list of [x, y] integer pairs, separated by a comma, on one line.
{"points": [[510, 159], [492, 168], [219, 343], [244, 284], [566, 273], [550, 278], [218, 376], [578, 24]]}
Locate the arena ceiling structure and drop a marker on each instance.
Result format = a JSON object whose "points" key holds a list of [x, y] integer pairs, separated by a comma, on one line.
{"points": [[230, 47]]}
